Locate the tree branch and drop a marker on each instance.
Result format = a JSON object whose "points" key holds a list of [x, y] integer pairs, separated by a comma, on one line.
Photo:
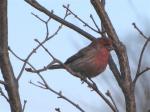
{"points": [[3, 94], [45, 85], [95, 23], [105, 19], [5, 64], [138, 72], [47, 37], [91, 85], [84, 23], [60, 94], [110, 96], [126, 82], [141, 33], [39, 7], [24, 105]]}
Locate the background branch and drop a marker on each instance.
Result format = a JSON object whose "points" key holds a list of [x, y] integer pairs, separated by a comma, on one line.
{"points": [[110, 96], [139, 72], [3, 94]]}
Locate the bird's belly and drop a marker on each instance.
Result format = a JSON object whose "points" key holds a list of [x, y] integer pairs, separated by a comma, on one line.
{"points": [[89, 67]]}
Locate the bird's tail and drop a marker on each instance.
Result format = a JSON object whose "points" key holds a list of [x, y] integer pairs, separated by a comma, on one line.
{"points": [[56, 67]]}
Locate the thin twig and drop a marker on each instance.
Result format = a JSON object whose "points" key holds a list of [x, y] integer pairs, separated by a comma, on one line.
{"points": [[34, 84], [141, 55], [46, 86], [46, 23], [91, 16], [141, 33], [60, 95], [139, 73], [3, 94], [145, 70], [15, 54], [76, 16], [39, 7], [99, 8], [38, 17], [44, 41], [44, 48], [42, 69], [24, 105], [110, 96]]}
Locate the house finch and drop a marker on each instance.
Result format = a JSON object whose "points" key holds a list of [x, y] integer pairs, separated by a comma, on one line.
{"points": [[91, 60]]}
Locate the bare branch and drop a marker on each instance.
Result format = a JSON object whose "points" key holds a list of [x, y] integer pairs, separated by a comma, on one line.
{"points": [[95, 23], [40, 18], [76, 16], [3, 94], [115, 70], [46, 23], [46, 86], [40, 86], [44, 41], [42, 69], [24, 105], [105, 19], [110, 96], [145, 70], [141, 55], [141, 33], [39, 7], [91, 85], [15, 54], [138, 73], [125, 81], [45, 49], [5, 64]]}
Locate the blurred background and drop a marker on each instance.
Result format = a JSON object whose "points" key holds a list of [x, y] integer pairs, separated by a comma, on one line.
{"points": [[24, 28]]}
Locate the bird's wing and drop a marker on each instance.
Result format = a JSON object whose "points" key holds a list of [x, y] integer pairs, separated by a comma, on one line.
{"points": [[79, 54]]}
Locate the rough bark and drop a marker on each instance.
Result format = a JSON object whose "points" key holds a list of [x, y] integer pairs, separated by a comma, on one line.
{"points": [[11, 85]]}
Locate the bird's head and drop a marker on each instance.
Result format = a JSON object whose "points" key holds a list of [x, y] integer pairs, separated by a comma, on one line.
{"points": [[105, 42]]}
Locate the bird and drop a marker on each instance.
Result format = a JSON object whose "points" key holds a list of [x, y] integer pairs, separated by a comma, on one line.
{"points": [[91, 60]]}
